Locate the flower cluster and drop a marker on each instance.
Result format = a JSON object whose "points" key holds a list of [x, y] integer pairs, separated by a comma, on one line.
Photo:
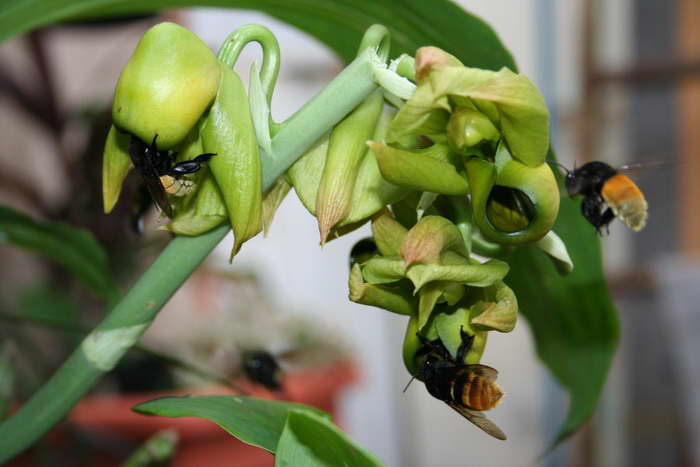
{"points": [[446, 161]]}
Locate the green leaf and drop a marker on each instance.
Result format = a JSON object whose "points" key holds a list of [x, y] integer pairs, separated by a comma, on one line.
{"points": [[311, 440], [75, 249], [254, 421], [572, 317], [44, 305], [340, 24]]}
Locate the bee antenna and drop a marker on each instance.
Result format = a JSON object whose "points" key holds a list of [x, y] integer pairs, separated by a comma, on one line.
{"points": [[561, 166], [409, 383]]}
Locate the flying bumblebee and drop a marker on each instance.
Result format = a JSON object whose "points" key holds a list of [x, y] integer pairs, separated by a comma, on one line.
{"points": [[607, 194], [161, 174], [262, 368], [468, 389]]}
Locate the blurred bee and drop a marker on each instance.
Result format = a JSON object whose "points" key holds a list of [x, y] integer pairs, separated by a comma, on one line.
{"points": [[262, 368], [607, 194], [363, 251], [161, 174], [468, 389]]}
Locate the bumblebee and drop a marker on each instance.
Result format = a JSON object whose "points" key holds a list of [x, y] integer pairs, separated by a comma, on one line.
{"points": [[468, 389], [262, 368], [161, 174], [602, 185]]}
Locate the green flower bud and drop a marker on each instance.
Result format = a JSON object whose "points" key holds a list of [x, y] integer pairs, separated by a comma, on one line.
{"points": [[468, 128], [346, 149], [228, 131], [170, 80]]}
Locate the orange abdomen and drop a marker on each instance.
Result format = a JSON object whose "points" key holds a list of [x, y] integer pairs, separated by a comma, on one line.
{"points": [[626, 200], [479, 393]]}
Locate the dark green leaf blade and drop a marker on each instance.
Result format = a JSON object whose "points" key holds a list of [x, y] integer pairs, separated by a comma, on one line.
{"points": [[573, 318], [314, 441], [254, 421], [340, 24], [75, 249]]}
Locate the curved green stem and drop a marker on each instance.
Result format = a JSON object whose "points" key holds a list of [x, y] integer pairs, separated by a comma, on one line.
{"points": [[121, 329], [236, 42]]}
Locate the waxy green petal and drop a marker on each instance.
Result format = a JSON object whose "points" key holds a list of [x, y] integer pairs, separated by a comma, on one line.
{"points": [[477, 275], [115, 166], [170, 80], [394, 298], [429, 238], [420, 169], [499, 313]]}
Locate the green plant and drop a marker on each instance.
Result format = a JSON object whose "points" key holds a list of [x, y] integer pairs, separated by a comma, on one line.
{"points": [[573, 321]]}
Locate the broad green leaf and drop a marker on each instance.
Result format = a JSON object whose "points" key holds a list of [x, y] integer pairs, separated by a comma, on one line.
{"points": [[156, 451], [75, 249], [46, 306], [254, 421], [310, 440], [572, 317], [339, 24]]}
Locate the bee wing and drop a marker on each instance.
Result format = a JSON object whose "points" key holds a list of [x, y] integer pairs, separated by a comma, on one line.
{"points": [[643, 166], [480, 420], [149, 175], [157, 192], [488, 373]]}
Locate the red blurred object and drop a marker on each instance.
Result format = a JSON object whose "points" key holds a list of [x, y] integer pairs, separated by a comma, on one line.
{"points": [[111, 431]]}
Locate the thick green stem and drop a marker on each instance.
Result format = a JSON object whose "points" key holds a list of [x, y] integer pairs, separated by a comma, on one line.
{"points": [[121, 329]]}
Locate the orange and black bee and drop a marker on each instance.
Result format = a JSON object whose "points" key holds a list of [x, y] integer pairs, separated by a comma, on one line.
{"points": [[468, 389], [607, 194]]}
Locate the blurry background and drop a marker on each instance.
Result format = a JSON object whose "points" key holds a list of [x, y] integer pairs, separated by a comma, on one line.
{"points": [[622, 80]]}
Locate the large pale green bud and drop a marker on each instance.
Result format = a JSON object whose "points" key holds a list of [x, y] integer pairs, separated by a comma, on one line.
{"points": [[170, 80]]}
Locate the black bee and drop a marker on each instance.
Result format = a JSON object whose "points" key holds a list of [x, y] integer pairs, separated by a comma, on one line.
{"points": [[161, 174], [607, 194], [262, 368], [363, 250], [468, 389]]}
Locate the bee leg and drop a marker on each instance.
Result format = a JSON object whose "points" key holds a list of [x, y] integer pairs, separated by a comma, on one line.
{"points": [[202, 158], [434, 346], [466, 344], [590, 208], [605, 220]]}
